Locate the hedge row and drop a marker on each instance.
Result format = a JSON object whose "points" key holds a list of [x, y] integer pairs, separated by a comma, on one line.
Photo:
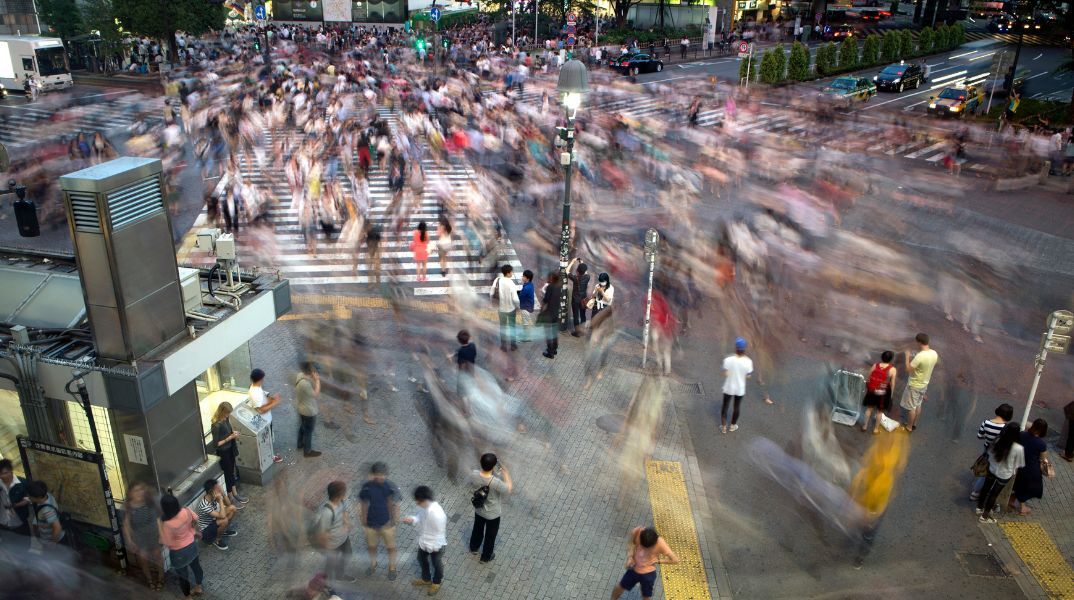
{"points": [[775, 67]]}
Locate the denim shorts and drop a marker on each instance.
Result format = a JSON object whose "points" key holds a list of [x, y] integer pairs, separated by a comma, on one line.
{"points": [[632, 578]]}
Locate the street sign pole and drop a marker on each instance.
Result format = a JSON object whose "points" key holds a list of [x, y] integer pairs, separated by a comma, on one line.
{"points": [[652, 241], [1056, 339]]}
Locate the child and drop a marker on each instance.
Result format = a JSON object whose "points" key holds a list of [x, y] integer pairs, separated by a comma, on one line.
{"points": [[526, 301]]}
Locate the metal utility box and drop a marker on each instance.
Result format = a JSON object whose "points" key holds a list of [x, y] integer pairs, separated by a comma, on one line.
{"points": [[190, 282], [122, 236], [254, 443]]}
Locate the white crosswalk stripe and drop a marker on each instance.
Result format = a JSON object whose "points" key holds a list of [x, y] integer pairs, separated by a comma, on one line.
{"points": [[334, 262], [867, 136], [23, 125]]}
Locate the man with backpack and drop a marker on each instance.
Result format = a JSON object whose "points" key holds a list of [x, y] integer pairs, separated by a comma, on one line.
{"points": [[878, 388], [45, 515], [488, 505], [14, 504], [330, 531]]}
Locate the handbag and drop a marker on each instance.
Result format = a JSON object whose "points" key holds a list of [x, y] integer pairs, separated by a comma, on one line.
{"points": [[980, 466], [590, 302]]}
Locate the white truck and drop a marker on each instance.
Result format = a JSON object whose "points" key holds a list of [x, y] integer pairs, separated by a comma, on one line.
{"points": [[42, 57]]}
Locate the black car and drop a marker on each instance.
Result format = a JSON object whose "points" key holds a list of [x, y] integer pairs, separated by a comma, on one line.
{"points": [[900, 77], [632, 64]]}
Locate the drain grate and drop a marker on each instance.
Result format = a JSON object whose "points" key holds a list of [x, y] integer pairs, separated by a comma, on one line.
{"points": [[981, 565], [684, 387]]}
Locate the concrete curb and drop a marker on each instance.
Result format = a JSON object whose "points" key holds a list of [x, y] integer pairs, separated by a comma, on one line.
{"points": [[1017, 569], [1021, 183]]}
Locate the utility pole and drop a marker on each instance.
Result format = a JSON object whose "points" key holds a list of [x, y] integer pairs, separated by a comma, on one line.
{"points": [[652, 244], [1056, 340]]}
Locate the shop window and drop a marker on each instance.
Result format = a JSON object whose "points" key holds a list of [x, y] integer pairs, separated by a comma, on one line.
{"points": [[226, 381], [84, 440], [12, 424]]}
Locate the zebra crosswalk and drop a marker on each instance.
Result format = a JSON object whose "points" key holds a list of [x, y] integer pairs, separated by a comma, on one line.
{"points": [[26, 124], [857, 135], [342, 259]]}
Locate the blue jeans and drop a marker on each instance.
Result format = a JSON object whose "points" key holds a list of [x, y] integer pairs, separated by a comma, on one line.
{"points": [[305, 432]]}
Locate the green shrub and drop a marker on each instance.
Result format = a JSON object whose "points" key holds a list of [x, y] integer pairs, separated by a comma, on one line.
{"points": [[943, 41], [890, 46], [798, 66], [958, 35], [925, 40], [827, 59], [772, 65], [748, 69], [870, 51], [848, 54], [906, 44]]}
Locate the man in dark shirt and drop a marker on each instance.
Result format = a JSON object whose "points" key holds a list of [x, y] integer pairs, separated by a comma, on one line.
{"points": [[466, 355], [379, 508], [579, 288]]}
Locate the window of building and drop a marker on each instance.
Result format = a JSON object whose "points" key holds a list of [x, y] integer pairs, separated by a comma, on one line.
{"points": [[83, 439], [226, 381]]}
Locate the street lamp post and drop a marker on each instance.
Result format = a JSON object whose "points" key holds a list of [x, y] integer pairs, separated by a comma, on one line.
{"points": [[573, 83]]}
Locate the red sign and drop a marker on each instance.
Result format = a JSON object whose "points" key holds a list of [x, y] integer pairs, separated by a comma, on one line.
{"points": [[572, 18], [743, 47]]}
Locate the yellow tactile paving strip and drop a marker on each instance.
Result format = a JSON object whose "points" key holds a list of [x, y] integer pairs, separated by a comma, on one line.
{"points": [[674, 519], [1037, 550]]}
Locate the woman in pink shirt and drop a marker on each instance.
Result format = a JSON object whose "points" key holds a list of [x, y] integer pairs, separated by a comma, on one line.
{"points": [[179, 532]]}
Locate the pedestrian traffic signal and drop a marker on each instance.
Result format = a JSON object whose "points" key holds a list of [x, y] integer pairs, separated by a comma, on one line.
{"points": [[419, 45]]}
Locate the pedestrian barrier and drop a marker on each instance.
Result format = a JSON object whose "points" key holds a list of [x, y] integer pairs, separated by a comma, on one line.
{"points": [[847, 390]]}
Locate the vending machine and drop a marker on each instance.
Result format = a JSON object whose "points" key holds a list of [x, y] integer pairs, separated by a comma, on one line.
{"points": [[254, 444]]}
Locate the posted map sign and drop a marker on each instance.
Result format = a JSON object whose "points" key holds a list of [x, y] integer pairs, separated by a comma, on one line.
{"points": [[73, 476]]}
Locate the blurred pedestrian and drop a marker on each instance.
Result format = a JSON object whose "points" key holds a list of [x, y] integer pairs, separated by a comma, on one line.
{"points": [[179, 533], [1029, 481], [504, 293], [45, 513], [1068, 450], [873, 486], [285, 520], [307, 391], [487, 500], [647, 550], [432, 538], [919, 370], [1005, 457], [466, 355], [141, 530], [419, 246], [878, 387], [548, 318], [227, 450], [989, 431], [736, 369], [331, 533], [379, 513], [443, 244]]}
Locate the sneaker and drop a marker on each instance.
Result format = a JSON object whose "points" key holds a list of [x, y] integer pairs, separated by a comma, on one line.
{"points": [[490, 559], [734, 428], [276, 458], [347, 579], [312, 454], [433, 589], [220, 544], [420, 582], [986, 519], [230, 533], [974, 496], [240, 499], [723, 429], [978, 511]]}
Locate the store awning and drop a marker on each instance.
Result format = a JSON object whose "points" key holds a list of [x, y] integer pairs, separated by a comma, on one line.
{"points": [[41, 299]]}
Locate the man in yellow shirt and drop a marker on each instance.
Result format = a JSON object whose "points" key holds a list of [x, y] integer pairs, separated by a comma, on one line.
{"points": [[920, 372]]}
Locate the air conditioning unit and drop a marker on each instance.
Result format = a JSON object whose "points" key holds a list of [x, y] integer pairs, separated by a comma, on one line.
{"points": [[190, 283]]}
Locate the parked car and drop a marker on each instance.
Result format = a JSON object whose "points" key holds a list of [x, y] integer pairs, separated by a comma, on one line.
{"points": [[632, 64], [838, 32], [900, 76]]}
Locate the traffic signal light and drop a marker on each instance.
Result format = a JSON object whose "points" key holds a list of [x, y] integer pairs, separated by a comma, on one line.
{"points": [[420, 45], [446, 43]]}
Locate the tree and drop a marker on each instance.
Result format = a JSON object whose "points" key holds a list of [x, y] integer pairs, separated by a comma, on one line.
{"points": [[906, 44], [890, 46], [826, 59], [63, 16], [778, 68], [748, 69], [925, 40], [799, 62], [942, 38], [870, 51], [848, 54], [621, 8], [160, 19], [958, 35]]}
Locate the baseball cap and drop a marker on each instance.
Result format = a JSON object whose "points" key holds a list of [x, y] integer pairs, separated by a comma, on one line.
{"points": [[740, 343]]}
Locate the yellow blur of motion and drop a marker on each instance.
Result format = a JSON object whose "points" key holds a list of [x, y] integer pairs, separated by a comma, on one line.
{"points": [[881, 467]]}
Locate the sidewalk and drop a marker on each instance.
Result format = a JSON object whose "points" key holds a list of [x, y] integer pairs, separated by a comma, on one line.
{"points": [[562, 535]]}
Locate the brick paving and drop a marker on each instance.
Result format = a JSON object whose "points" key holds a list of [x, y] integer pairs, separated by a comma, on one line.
{"points": [[563, 535]]}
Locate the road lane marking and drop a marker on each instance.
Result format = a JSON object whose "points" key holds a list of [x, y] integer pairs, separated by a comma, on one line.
{"points": [[673, 517], [982, 56], [963, 54], [948, 77], [1037, 75], [1038, 56], [1037, 550]]}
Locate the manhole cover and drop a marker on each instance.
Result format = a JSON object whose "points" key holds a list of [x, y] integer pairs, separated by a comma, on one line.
{"points": [[683, 387], [611, 423], [982, 565]]}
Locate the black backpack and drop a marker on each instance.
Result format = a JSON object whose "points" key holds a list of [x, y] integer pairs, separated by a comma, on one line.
{"points": [[16, 495], [480, 495]]}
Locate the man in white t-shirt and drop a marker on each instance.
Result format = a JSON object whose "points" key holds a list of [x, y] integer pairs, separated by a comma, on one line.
{"points": [[736, 369], [263, 403]]}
